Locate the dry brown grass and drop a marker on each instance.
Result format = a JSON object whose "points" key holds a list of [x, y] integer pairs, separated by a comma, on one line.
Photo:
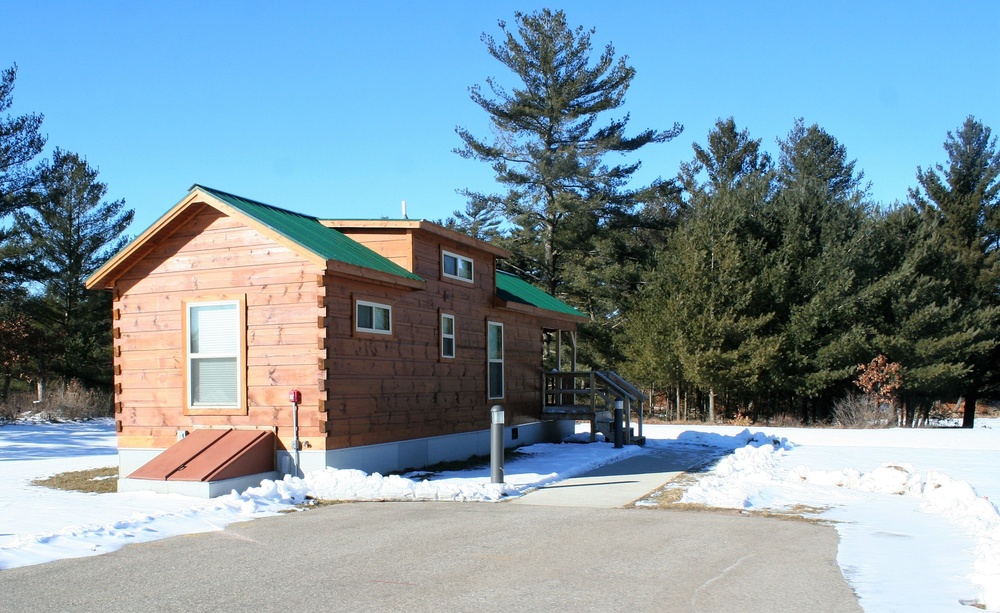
{"points": [[69, 402], [92, 481], [671, 494], [315, 503]]}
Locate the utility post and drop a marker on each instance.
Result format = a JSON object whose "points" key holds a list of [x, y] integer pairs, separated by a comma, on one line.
{"points": [[496, 444]]}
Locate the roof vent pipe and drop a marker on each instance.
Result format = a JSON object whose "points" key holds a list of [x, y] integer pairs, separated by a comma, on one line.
{"points": [[404, 210]]}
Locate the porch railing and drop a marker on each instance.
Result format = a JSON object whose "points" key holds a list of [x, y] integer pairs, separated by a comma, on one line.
{"points": [[590, 395]]}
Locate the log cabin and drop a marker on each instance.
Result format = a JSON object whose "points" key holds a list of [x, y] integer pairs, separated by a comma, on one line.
{"points": [[251, 341]]}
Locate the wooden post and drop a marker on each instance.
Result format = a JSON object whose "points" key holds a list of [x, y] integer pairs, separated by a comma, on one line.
{"points": [[593, 405], [711, 405], [679, 402]]}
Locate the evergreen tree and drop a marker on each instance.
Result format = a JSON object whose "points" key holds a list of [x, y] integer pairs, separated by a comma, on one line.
{"points": [[705, 317], [959, 204], [65, 234], [549, 151], [480, 220], [817, 224], [20, 143], [913, 316], [16, 346]]}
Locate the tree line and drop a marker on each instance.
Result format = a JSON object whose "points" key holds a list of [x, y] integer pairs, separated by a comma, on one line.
{"points": [[55, 230], [752, 286], [756, 286]]}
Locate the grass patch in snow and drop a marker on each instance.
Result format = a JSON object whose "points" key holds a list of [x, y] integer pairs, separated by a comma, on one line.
{"points": [[315, 503], [798, 512], [92, 481], [671, 493]]}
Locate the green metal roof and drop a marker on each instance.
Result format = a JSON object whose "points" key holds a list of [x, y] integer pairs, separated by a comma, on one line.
{"points": [[308, 232], [514, 289]]}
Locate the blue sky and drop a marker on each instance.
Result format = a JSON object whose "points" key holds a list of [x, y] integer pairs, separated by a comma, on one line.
{"points": [[343, 109]]}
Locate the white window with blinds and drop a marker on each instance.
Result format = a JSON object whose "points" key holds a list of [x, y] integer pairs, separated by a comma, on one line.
{"points": [[214, 354]]}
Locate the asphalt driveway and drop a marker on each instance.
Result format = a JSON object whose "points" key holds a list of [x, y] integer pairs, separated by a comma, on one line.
{"points": [[457, 557]]}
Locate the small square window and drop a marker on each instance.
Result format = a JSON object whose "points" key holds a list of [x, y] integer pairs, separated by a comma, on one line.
{"points": [[373, 317], [456, 266]]}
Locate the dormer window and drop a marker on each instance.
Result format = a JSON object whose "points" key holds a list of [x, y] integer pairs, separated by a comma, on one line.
{"points": [[373, 317], [454, 266]]}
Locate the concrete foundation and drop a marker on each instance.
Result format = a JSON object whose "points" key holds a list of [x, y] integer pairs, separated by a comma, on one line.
{"points": [[383, 458]]}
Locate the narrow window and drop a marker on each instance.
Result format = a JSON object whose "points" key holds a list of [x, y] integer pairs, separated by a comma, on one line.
{"points": [[214, 355], [495, 359], [447, 336], [373, 317], [456, 266]]}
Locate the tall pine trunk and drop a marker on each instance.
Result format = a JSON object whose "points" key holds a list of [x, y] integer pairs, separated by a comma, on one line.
{"points": [[971, 399]]}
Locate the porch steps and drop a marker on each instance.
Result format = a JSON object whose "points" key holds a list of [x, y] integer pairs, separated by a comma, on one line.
{"points": [[563, 391]]}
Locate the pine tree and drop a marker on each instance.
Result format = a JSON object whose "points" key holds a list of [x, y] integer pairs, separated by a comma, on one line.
{"points": [[66, 233], [549, 148], [16, 346], [707, 305], [817, 224], [912, 318], [20, 143], [480, 220], [959, 204]]}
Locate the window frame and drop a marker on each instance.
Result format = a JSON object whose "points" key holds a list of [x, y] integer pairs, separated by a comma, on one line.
{"points": [[239, 353], [458, 260], [358, 303], [490, 361], [446, 336]]}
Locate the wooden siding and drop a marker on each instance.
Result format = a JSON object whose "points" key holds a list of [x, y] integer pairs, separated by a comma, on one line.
{"points": [[358, 388], [393, 245], [210, 256], [390, 388]]}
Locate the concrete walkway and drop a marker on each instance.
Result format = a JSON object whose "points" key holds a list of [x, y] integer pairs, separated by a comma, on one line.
{"points": [[620, 483]]}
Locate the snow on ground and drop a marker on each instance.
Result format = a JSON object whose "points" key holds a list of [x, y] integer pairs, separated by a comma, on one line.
{"points": [[39, 524], [913, 508]]}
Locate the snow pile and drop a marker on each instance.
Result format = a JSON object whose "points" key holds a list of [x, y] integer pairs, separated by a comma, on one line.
{"points": [[895, 479], [737, 479], [955, 500], [521, 475], [350, 484], [958, 501], [754, 477], [720, 440]]}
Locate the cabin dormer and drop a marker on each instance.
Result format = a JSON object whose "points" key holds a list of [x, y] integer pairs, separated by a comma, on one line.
{"points": [[431, 251]]}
